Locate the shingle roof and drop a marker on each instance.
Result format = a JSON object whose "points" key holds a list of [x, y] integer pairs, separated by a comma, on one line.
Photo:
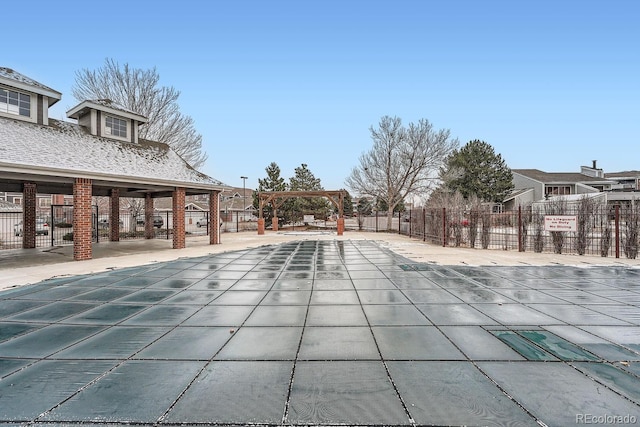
{"points": [[623, 174], [9, 74], [85, 105], [65, 147], [9, 207], [549, 177]]}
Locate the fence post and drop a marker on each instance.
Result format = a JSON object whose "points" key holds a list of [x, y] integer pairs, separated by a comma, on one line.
{"points": [[444, 227], [424, 224], [399, 223], [617, 231], [376, 221], [519, 228], [237, 222]]}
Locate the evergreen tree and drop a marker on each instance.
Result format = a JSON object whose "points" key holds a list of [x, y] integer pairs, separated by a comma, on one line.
{"points": [[273, 182], [477, 169], [347, 207], [365, 206], [304, 180]]}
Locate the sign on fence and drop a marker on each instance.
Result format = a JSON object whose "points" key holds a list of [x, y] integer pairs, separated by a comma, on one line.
{"points": [[308, 218], [560, 222]]}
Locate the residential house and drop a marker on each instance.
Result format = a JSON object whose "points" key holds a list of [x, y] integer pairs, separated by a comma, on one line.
{"points": [[534, 185]]}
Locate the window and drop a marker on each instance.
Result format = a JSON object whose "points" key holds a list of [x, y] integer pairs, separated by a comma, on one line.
{"points": [[555, 191], [116, 127], [13, 102]]}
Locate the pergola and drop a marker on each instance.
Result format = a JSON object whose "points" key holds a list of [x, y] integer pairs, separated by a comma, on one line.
{"points": [[277, 198]]}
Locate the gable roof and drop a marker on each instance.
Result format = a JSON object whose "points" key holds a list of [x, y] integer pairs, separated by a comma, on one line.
{"points": [[20, 81], [67, 150], [557, 177], [108, 106]]}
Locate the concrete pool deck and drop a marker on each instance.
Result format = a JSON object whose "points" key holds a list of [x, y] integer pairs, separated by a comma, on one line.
{"points": [[319, 330], [19, 267]]}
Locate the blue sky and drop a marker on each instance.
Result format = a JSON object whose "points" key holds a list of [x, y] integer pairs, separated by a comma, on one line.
{"points": [[551, 85]]}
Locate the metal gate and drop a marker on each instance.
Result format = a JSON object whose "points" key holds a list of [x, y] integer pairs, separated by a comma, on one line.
{"points": [[62, 224]]}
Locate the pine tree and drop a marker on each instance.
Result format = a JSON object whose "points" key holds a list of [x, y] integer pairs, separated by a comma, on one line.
{"points": [[273, 182], [477, 169], [304, 180]]}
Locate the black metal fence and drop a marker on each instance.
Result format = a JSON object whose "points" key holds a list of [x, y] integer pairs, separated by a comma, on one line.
{"points": [[600, 231], [54, 227]]}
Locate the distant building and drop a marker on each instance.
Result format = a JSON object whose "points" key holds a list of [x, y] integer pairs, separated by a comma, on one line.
{"points": [[534, 185]]}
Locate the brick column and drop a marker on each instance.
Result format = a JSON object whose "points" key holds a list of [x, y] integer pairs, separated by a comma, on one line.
{"points": [[340, 226], [214, 218], [274, 220], [148, 216], [178, 218], [114, 216], [29, 215], [82, 190], [260, 226]]}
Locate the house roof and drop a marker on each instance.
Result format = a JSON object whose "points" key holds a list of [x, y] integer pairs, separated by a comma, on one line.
{"points": [[20, 81], [9, 207], [230, 191], [237, 204], [623, 174], [557, 177], [65, 151], [515, 193], [106, 105]]}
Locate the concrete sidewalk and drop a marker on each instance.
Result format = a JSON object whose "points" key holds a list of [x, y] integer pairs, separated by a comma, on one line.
{"points": [[26, 266]]}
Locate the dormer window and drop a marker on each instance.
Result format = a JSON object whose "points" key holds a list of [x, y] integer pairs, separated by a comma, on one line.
{"points": [[13, 102], [105, 118], [115, 127]]}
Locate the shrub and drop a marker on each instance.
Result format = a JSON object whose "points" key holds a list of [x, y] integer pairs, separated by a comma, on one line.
{"points": [[485, 234], [605, 240], [632, 230], [586, 208], [538, 230]]}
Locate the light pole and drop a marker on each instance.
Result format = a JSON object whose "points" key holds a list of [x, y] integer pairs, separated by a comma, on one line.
{"points": [[244, 196]]}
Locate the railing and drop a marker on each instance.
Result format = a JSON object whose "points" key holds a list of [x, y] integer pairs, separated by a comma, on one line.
{"points": [[604, 231]]}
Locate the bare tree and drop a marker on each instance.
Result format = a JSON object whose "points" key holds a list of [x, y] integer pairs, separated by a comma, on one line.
{"points": [[139, 91], [403, 161]]}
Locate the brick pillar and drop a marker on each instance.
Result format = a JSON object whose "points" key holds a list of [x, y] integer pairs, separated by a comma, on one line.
{"points": [[260, 226], [82, 190], [274, 220], [114, 216], [178, 218], [340, 226], [148, 216], [29, 215], [214, 218]]}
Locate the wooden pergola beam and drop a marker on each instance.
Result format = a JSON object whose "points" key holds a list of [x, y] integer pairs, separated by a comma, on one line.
{"points": [[277, 198]]}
